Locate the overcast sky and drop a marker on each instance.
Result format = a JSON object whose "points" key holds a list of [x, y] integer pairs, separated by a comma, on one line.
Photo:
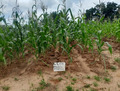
{"points": [[51, 4]]}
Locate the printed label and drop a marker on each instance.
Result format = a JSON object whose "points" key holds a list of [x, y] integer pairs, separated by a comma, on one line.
{"points": [[59, 66]]}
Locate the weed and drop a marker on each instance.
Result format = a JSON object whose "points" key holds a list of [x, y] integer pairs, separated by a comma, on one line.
{"points": [[113, 68], [32, 85], [107, 79], [117, 60], [72, 83], [95, 84], [40, 72], [60, 78], [88, 77], [5, 88], [74, 79], [87, 86], [69, 88], [16, 79], [43, 84], [97, 78]]}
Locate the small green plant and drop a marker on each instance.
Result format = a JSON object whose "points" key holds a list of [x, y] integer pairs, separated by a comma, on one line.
{"points": [[95, 84], [43, 84], [97, 78], [88, 77], [32, 85], [72, 83], [16, 79], [87, 86], [40, 72], [5, 88], [69, 88], [117, 60], [113, 68], [74, 79], [60, 78], [107, 79]]}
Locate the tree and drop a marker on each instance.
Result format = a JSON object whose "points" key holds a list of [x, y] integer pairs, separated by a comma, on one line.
{"points": [[109, 11], [92, 12]]}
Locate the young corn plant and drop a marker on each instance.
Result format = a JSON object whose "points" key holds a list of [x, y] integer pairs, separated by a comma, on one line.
{"points": [[2, 58], [100, 45]]}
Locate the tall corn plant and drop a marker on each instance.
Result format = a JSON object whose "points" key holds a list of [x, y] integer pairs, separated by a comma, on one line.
{"points": [[19, 31], [39, 36], [65, 32]]}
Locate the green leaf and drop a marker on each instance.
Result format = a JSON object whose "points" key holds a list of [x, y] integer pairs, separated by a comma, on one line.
{"points": [[109, 47]]}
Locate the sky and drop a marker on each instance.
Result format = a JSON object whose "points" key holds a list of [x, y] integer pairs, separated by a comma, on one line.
{"points": [[26, 5]]}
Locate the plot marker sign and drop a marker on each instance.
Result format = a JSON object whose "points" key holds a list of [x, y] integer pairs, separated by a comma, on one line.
{"points": [[59, 66]]}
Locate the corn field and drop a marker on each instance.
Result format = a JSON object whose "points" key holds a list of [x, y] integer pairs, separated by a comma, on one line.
{"points": [[43, 32]]}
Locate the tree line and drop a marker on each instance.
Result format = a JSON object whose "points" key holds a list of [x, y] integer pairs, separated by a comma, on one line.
{"points": [[109, 11]]}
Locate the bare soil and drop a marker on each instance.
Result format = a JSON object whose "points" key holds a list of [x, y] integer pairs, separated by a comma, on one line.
{"points": [[25, 74]]}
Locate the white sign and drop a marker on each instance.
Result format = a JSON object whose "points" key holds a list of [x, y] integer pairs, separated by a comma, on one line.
{"points": [[59, 66]]}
